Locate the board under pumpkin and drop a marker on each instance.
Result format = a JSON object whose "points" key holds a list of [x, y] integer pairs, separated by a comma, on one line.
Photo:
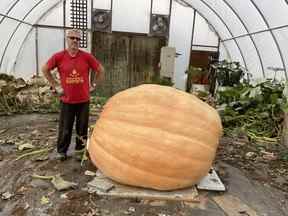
{"points": [[155, 137]]}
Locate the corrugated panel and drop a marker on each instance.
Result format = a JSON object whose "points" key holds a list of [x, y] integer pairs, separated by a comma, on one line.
{"points": [[212, 17], [274, 11], [282, 37], [25, 65], [224, 11], [204, 34], [233, 51], [131, 16], [248, 14], [253, 61], [269, 52]]}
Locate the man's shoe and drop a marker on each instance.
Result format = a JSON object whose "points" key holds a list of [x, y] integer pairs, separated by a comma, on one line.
{"points": [[58, 156], [61, 156]]}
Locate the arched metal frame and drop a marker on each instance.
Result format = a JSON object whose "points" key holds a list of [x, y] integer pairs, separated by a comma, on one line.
{"points": [[249, 34], [204, 17], [29, 32], [273, 35], [8, 42], [228, 29], [15, 19], [8, 11]]}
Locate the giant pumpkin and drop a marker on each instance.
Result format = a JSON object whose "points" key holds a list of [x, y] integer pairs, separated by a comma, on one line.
{"points": [[155, 137]]}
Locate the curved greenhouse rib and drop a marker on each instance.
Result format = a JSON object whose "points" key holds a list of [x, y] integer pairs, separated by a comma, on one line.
{"points": [[273, 36], [221, 19], [250, 36], [38, 19], [8, 11], [228, 29], [12, 18], [203, 16], [27, 14]]}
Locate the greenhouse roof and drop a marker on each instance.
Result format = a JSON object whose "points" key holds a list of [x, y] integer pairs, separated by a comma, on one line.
{"points": [[253, 32]]}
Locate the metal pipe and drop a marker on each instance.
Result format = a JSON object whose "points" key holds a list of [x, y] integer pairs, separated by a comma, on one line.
{"points": [[11, 7], [38, 19], [193, 28], [64, 23], [36, 51], [170, 11], [151, 9], [111, 8], [257, 32], [12, 18], [204, 17], [251, 38], [2, 57], [208, 46], [229, 30], [273, 36], [56, 27]]}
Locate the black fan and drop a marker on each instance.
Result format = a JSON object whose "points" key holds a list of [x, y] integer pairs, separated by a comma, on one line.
{"points": [[101, 20], [159, 25]]}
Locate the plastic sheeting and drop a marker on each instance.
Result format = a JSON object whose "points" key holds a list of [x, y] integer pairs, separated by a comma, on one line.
{"points": [[253, 32]]}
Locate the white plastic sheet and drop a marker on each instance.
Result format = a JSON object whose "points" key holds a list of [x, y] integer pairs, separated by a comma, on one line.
{"points": [[265, 20]]}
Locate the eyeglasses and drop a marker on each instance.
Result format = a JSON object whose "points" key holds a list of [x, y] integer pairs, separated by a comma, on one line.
{"points": [[74, 38]]}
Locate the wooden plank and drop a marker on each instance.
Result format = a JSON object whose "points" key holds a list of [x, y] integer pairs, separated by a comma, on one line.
{"points": [[129, 60], [233, 206], [124, 191], [284, 138]]}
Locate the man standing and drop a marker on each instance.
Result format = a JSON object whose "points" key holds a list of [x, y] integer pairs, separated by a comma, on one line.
{"points": [[73, 66]]}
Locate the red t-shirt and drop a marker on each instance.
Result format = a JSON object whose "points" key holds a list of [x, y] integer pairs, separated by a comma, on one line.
{"points": [[74, 74]]}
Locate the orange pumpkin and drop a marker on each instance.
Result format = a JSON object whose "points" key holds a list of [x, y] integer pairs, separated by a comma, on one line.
{"points": [[156, 137]]}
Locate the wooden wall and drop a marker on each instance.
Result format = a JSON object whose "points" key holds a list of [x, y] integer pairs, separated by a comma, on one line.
{"points": [[129, 59]]}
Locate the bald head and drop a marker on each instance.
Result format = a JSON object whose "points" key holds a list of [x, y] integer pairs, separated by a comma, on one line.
{"points": [[74, 33], [73, 40]]}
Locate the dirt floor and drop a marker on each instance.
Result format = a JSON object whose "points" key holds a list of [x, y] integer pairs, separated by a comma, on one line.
{"points": [[256, 178]]}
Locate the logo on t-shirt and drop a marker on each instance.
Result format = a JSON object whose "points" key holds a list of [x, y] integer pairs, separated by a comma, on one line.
{"points": [[74, 78]]}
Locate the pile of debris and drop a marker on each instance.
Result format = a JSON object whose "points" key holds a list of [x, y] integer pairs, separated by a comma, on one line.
{"points": [[18, 96]]}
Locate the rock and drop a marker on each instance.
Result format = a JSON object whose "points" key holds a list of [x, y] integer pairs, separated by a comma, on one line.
{"points": [[250, 155], [157, 202], [25, 146], [38, 183], [281, 180], [64, 196], [261, 173], [7, 195], [99, 184], [3, 83], [89, 173], [106, 211], [131, 209], [35, 132]]}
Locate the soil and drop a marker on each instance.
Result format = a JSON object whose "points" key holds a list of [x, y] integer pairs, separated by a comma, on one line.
{"points": [[255, 165]]}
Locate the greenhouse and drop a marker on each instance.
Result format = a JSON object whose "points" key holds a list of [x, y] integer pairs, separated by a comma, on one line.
{"points": [[253, 33], [190, 100]]}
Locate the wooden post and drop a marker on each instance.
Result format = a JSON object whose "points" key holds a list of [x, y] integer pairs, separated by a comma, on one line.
{"points": [[284, 137]]}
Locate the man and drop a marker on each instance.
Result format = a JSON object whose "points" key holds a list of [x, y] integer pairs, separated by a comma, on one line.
{"points": [[73, 67]]}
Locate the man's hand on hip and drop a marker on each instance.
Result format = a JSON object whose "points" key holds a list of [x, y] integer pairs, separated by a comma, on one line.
{"points": [[92, 87], [57, 91]]}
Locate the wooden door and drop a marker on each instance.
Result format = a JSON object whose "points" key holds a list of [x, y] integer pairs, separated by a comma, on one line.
{"points": [[129, 59]]}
